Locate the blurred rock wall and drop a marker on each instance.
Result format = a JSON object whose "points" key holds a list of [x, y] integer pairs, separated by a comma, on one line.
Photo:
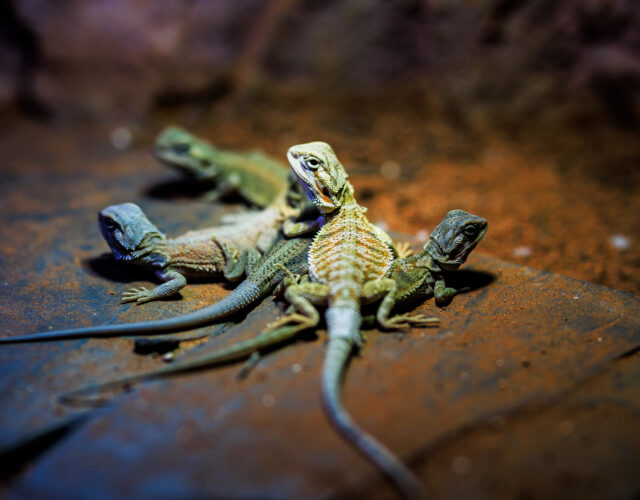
{"points": [[519, 58]]}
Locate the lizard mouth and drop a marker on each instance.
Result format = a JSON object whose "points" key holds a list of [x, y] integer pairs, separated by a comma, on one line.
{"points": [[320, 195]]}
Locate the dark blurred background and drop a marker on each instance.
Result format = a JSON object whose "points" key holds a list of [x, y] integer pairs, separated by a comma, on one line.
{"points": [[525, 112]]}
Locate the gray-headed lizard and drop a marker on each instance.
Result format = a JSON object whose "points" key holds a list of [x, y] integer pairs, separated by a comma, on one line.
{"points": [[286, 254]]}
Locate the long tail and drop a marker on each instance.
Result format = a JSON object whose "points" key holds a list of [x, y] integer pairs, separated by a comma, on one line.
{"points": [[225, 355], [341, 343], [245, 294]]}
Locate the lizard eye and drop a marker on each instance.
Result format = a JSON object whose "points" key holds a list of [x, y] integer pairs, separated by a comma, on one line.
{"points": [[181, 148], [109, 224], [312, 163], [471, 230]]}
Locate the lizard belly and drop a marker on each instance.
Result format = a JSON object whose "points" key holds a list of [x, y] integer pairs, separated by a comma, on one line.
{"points": [[347, 252]]}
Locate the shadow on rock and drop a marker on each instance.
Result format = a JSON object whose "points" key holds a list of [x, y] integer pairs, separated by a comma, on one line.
{"points": [[469, 279], [31, 446], [105, 266]]}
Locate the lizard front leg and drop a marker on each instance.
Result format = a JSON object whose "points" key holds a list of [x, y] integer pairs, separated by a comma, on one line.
{"points": [[444, 294], [226, 187], [385, 288], [174, 281]]}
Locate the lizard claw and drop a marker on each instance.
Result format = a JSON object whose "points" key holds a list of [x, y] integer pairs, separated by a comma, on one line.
{"points": [[137, 295]]}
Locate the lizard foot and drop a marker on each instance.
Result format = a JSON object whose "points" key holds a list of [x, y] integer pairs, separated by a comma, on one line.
{"points": [[409, 320], [287, 211], [291, 279], [137, 295], [294, 318], [404, 249]]}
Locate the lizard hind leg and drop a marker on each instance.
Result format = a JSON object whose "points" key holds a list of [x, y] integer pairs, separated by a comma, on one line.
{"points": [[303, 296]]}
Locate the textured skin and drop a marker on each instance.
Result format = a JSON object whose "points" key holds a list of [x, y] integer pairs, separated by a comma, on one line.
{"points": [[256, 177], [260, 282]]}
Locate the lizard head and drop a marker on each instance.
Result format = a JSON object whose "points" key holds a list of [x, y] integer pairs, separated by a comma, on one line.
{"points": [[454, 238], [319, 172], [181, 150], [127, 230]]}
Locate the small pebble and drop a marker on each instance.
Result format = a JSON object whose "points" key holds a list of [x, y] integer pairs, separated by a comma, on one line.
{"points": [[620, 241], [599, 339], [390, 170], [521, 252], [168, 357], [296, 368], [461, 465], [121, 138], [268, 400]]}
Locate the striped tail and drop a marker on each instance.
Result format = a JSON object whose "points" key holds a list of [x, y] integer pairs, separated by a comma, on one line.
{"points": [[338, 352], [244, 295]]}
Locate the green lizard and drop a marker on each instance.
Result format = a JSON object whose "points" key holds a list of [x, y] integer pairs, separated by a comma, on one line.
{"points": [[419, 276], [260, 282], [258, 179]]}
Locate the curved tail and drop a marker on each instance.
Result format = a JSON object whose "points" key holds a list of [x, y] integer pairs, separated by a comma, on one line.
{"points": [[338, 352], [244, 295]]}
